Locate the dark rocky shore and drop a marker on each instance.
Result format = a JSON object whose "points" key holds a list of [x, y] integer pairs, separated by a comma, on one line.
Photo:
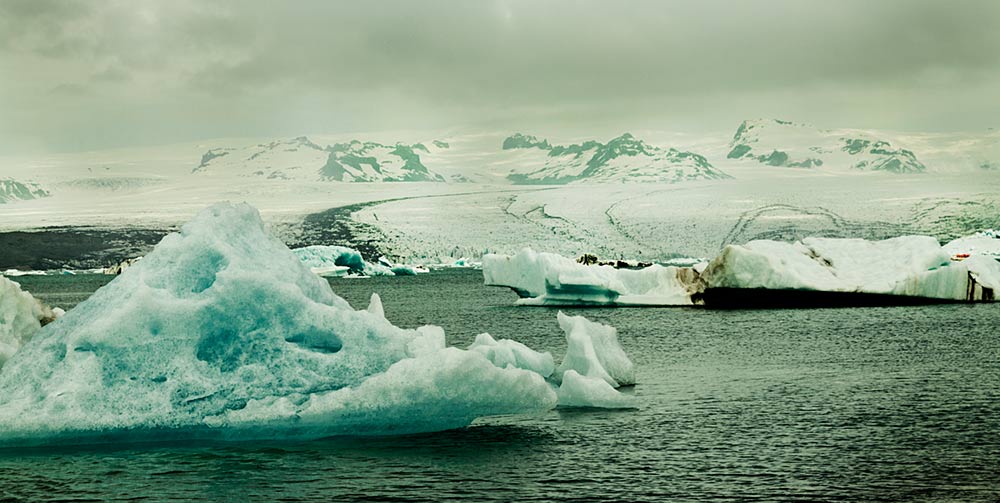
{"points": [[98, 247]]}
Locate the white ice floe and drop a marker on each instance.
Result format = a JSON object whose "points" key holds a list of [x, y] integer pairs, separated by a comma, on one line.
{"points": [[914, 266], [408, 270], [21, 316], [506, 352], [550, 279], [582, 391], [13, 273], [222, 332], [375, 306], [593, 351]]}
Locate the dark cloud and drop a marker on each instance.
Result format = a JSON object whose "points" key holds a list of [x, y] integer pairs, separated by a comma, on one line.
{"points": [[256, 67]]}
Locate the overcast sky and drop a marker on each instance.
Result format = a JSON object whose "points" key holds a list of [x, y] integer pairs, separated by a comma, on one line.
{"points": [[96, 74]]}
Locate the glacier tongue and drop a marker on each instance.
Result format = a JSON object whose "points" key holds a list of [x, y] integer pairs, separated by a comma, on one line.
{"points": [[221, 332]]}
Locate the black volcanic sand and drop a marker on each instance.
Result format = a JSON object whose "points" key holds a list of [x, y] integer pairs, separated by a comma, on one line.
{"points": [[75, 247], [95, 247]]}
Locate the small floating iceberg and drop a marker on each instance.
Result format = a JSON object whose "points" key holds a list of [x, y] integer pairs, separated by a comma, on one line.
{"points": [[553, 280], [337, 261], [221, 332], [595, 364]]}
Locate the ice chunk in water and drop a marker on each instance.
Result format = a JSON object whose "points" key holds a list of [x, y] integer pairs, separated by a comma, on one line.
{"points": [[375, 306], [582, 391], [594, 351], [328, 259], [550, 279]]}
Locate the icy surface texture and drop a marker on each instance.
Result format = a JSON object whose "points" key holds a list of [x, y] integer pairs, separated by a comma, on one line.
{"points": [[551, 279], [582, 391], [222, 332], [908, 265], [21, 316], [981, 243], [375, 306], [329, 259], [505, 352], [593, 351]]}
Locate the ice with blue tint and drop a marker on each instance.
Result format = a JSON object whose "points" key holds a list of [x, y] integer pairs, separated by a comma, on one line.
{"points": [[222, 332], [548, 279], [337, 260]]}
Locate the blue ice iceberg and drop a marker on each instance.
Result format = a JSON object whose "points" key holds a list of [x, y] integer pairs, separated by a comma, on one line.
{"points": [[331, 260], [221, 332]]}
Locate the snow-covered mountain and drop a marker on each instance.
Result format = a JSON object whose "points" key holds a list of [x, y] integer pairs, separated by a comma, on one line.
{"points": [[622, 159], [302, 159], [788, 144], [12, 190]]}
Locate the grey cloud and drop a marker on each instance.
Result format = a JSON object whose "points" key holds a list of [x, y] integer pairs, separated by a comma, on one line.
{"points": [[291, 67]]}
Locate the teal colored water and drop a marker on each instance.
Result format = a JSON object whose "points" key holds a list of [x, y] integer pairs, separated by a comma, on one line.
{"points": [[875, 404]]}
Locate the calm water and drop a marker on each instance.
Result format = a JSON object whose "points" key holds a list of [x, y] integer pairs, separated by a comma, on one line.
{"points": [[878, 404]]}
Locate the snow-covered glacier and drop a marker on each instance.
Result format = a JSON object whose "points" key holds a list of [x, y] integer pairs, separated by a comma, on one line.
{"points": [[551, 279], [222, 333]]}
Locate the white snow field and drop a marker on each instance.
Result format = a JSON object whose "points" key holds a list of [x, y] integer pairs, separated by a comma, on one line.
{"points": [[477, 210], [222, 332], [547, 279], [656, 223]]}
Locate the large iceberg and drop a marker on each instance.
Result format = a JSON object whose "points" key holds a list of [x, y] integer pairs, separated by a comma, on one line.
{"points": [[907, 266], [551, 279], [812, 272], [222, 332]]}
